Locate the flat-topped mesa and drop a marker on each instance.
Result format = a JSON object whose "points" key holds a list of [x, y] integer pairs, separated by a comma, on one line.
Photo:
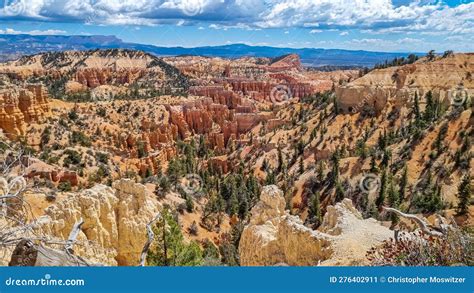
{"points": [[397, 85], [22, 106]]}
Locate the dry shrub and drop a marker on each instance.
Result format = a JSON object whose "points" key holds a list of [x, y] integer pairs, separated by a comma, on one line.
{"points": [[455, 247]]}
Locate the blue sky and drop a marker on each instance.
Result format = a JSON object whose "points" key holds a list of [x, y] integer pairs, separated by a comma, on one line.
{"points": [[376, 25]]}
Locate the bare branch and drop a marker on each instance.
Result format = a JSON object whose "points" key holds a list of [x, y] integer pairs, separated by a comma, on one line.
{"points": [[424, 226], [151, 237], [73, 235]]}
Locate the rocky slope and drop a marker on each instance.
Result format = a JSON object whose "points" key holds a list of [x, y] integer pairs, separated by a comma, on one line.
{"points": [[78, 71], [274, 237], [232, 136], [443, 76]]}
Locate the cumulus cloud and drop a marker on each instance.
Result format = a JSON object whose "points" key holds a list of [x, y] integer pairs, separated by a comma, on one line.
{"points": [[402, 44], [10, 31], [372, 16]]}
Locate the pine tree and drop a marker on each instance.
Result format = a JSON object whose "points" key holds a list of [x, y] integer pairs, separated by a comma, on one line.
{"points": [[174, 171], [202, 152], [436, 202], [148, 172], [372, 211], [301, 167], [320, 172], [430, 109], [404, 182], [373, 164], [339, 192], [280, 159], [464, 195], [335, 166], [233, 204], [336, 106], [383, 190], [270, 179], [189, 204], [438, 143], [431, 55], [393, 200], [387, 155], [416, 109], [314, 209], [243, 207], [313, 134], [382, 140], [169, 247], [253, 188], [264, 166]]}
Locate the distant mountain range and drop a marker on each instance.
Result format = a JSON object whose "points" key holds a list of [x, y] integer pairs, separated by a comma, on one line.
{"points": [[14, 46]]}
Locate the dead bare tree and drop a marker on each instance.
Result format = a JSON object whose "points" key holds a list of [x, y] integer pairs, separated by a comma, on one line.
{"points": [[151, 237], [20, 230], [422, 224], [442, 244]]}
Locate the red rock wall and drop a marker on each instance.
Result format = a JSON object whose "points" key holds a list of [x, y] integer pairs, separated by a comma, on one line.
{"points": [[20, 107]]}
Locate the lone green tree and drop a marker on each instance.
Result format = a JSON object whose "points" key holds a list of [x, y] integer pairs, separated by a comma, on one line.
{"points": [[383, 190], [393, 200], [464, 195], [169, 247], [416, 109], [314, 209], [404, 182], [339, 191]]}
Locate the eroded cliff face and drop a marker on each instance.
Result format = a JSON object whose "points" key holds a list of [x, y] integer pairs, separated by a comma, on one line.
{"points": [[114, 217], [275, 237], [396, 85], [260, 79], [80, 70], [22, 106]]}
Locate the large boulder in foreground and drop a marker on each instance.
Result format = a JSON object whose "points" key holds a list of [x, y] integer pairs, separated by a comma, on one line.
{"points": [[274, 237], [115, 220]]}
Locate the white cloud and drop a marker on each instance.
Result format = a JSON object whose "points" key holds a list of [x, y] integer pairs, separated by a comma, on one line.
{"points": [[315, 31], [344, 33], [372, 16], [403, 44], [10, 31]]}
